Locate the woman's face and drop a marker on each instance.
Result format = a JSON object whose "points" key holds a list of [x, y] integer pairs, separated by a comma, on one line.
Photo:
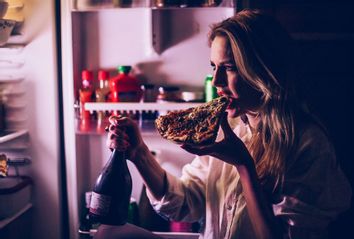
{"points": [[227, 80]]}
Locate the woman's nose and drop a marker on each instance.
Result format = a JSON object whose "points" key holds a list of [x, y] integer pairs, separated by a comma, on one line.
{"points": [[219, 78]]}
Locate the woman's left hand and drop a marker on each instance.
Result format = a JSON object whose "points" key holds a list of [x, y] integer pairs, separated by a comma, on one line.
{"points": [[230, 150]]}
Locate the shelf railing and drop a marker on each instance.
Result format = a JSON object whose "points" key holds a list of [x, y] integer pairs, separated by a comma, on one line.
{"points": [[110, 106]]}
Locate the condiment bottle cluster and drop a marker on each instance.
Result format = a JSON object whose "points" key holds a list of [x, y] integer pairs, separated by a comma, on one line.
{"points": [[123, 86]]}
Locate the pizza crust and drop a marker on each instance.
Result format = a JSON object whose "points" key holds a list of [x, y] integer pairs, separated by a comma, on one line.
{"points": [[198, 125]]}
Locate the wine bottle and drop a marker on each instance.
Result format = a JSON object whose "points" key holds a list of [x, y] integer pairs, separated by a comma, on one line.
{"points": [[112, 191]]}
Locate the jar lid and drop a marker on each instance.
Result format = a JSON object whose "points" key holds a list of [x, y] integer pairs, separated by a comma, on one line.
{"points": [[147, 86], [103, 74], [86, 75], [163, 89]]}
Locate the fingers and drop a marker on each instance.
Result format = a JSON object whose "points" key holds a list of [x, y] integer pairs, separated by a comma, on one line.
{"points": [[228, 132], [119, 120], [197, 150], [117, 137]]}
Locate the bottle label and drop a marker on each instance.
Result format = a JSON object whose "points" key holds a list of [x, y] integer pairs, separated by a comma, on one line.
{"points": [[100, 204]]}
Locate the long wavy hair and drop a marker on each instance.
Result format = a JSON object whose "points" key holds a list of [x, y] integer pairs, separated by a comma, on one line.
{"points": [[263, 53]]}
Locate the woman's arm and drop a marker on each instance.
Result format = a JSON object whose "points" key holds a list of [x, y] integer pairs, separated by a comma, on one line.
{"points": [[124, 133], [259, 208], [233, 151], [182, 201], [153, 174]]}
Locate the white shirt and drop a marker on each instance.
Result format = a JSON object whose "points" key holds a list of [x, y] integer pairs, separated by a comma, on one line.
{"points": [[315, 192]]}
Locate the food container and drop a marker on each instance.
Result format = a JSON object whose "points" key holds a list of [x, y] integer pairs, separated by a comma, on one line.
{"points": [[168, 94], [15, 194], [6, 27], [192, 96], [3, 8]]}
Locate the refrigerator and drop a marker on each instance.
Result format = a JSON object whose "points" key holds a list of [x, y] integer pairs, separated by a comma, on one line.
{"points": [[166, 46], [40, 68], [29, 87]]}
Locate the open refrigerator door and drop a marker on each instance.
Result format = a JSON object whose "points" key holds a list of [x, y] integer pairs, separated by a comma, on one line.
{"points": [[166, 46]]}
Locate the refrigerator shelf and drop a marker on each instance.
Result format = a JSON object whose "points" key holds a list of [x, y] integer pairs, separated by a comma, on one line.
{"points": [[11, 135], [7, 221], [11, 49], [93, 127], [108, 106], [166, 235]]}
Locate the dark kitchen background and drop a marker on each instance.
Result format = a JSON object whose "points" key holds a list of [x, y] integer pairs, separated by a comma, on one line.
{"points": [[324, 32]]}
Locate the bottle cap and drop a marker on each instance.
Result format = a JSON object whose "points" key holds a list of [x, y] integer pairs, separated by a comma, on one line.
{"points": [[124, 69], [209, 77], [86, 75], [103, 75]]}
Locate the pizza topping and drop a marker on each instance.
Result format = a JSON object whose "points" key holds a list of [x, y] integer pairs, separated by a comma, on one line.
{"points": [[197, 125]]}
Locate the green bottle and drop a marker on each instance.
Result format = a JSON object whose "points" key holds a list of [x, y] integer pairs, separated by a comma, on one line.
{"points": [[210, 90]]}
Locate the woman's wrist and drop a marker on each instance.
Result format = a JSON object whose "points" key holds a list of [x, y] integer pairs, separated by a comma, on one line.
{"points": [[247, 168], [140, 153]]}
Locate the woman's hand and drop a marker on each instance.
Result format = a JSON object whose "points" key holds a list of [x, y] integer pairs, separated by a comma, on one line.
{"points": [[124, 134], [230, 150]]}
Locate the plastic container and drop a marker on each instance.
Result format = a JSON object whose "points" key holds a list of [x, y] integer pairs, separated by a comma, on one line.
{"points": [[15, 194], [192, 96], [6, 27], [124, 87], [3, 8], [168, 94]]}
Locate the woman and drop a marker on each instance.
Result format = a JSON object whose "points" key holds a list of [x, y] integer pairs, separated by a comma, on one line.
{"points": [[273, 175]]}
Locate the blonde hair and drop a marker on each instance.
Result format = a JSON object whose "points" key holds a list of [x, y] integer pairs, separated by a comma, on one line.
{"points": [[262, 53]]}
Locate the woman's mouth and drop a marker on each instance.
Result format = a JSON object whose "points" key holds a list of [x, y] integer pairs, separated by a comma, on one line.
{"points": [[232, 103]]}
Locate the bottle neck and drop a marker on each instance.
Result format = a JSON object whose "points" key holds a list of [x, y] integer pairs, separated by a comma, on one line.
{"points": [[103, 83], [118, 158]]}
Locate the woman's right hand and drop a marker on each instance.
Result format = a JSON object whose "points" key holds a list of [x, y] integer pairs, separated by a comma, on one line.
{"points": [[124, 134]]}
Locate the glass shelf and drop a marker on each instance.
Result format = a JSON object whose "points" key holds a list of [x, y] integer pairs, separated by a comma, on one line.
{"points": [[136, 110], [84, 5], [94, 127], [108, 106], [11, 135], [7, 221]]}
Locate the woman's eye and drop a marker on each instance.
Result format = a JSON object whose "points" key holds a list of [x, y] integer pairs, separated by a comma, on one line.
{"points": [[231, 68], [213, 68]]}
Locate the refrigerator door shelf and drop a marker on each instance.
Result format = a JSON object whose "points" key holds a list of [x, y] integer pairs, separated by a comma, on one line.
{"points": [[11, 135], [139, 106], [166, 235]]}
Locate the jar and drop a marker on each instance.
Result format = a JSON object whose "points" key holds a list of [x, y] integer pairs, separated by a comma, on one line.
{"points": [[192, 96], [168, 94], [148, 93]]}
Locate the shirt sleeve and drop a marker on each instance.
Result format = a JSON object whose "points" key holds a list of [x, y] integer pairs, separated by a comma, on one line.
{"points": [[315, 189], [185, 196]]}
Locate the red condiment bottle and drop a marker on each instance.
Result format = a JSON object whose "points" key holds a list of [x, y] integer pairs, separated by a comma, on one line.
{"points": [[101, 95], [124, 87], [85, 93]]}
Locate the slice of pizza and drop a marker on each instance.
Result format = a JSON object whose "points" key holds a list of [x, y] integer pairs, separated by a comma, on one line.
{"points": [[197, 126]]}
